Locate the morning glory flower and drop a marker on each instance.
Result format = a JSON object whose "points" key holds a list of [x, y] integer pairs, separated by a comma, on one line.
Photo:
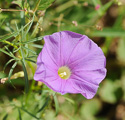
{"points": [[71, 63]]}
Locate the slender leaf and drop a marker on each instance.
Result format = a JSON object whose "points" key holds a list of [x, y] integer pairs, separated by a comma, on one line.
{"points": [[16, 50], [20, 118], [14, 33], [30, 50], [1, 50], [33, 40], [44, 105], [37, 46], [9, 51], [26, 77], [2, 22], [29, 26], [30, 113], [32, 56], [109, 32], [8, 63], [36, 26], [30, 60], [56, 104], [5, 117], [11, 70], [70, 100]]}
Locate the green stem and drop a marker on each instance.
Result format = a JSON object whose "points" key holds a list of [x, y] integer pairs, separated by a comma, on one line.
{"points": [[37, 5], [11, 44], [2, 10]]}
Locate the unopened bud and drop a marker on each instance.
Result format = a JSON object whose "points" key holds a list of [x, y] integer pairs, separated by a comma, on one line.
{"points": [[15, 76], [75, 23]]}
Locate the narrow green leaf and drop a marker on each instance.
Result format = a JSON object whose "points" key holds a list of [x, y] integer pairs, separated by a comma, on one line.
{"points": [[14, 34], [33, 40], [32, 56], [70, 100], [11, 70], [2, 22], [1, 50], [9, 51], [20, 118], [108, 32], [29, 26], [16, 50], [44, 4], [30, 50], [56, 104], [44, 105], [5, 117], [16, 26], [30, 60], [37, 26], [30, 113], [26, 77], [8, 63], [37, 46]]}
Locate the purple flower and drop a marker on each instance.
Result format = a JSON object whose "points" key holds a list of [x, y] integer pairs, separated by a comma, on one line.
{"points": [[71, 63]]}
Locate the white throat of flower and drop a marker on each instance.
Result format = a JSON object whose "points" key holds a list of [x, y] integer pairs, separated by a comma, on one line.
{"points": [[64, 72]]}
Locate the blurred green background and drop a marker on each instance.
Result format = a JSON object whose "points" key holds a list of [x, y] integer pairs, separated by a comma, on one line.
{"points": [[102, 20]]}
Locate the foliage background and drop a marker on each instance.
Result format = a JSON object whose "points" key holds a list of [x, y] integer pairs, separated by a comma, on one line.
{"points": [[23, 23]]}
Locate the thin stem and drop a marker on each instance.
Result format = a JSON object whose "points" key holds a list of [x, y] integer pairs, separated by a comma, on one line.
{"points": [[5, 10], [37, 5]]}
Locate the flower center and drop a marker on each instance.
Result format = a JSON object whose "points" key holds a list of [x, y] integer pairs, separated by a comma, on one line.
{"points": [[64, 72]]}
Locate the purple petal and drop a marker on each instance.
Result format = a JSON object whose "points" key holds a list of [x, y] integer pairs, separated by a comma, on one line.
{"points": [[92, 76], [87, 56], [60, 45], [40, 72], [67, 87], [60, 85], [45, 58], [45, 67], [87, 89]]}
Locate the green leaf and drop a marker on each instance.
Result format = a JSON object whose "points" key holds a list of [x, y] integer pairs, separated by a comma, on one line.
{"points": [[29, 27], [90, 108], [18, 2], [56, 104], [108, 32], [44, 105], [30, 60], [20, 118], [30, 113], [11, 70], [35, 31], [1, 22], [44, 4], [1, 50], [30, 50], [5, 117], [26, 77], [37, 46], [33, 40], [70, 100], [14, 34], [111, 91], [8, 63]]}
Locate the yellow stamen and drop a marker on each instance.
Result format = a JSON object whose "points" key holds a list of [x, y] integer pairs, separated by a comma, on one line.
{"points": [[64, 72]]}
